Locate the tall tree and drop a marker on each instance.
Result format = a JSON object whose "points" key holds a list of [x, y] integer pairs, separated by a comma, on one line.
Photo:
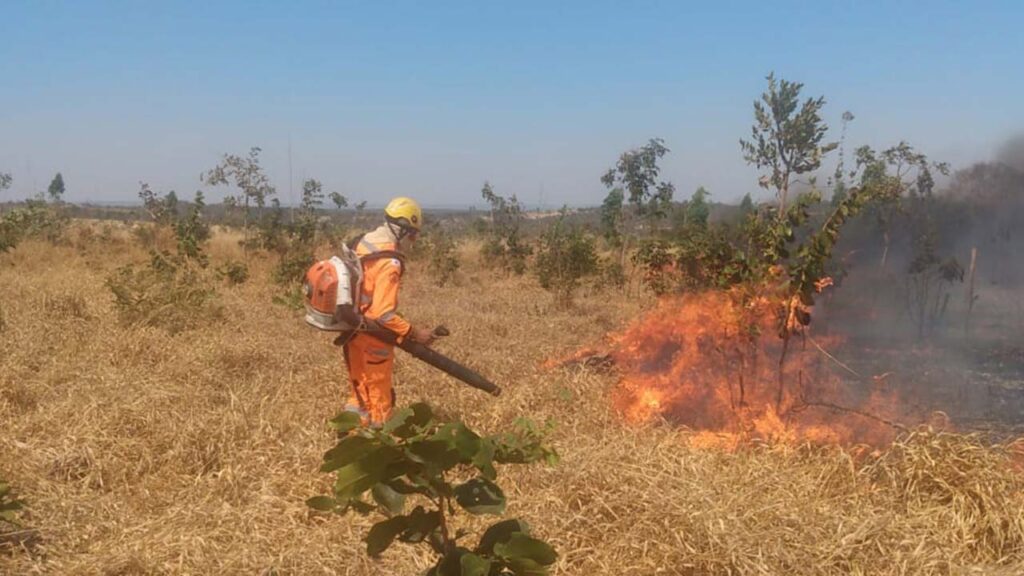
{"points": [[697, 209], [312, 199], [787, 137], [339, 200], [56, 189], [746, 205]]}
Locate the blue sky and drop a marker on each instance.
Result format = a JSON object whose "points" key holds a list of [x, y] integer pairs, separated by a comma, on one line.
{"points": [[431, 99]]}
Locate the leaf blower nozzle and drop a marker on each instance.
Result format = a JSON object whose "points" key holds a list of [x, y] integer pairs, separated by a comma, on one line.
{"points": [[431, 356]]}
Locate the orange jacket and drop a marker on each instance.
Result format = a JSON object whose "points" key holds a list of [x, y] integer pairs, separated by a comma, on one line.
{"points": [[378, 299]]}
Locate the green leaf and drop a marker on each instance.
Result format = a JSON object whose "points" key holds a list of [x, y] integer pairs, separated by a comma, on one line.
{"points": [[358, 477], [527, 556], [500, 533], [388, 498], [461, 438], [421, 524], [450, 564], [433, 452], [322, 503], [402, 487], [348, 450], [480, 496], [484, 459], [361, 507], [345, 422], [383, 533], [409, 421], [473, 565]]}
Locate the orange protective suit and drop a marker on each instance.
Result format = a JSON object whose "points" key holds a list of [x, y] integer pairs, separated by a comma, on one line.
{"points": [[370, 362]]}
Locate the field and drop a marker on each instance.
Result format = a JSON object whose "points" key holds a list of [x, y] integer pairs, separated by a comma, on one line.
{"points": [[140, 451]]}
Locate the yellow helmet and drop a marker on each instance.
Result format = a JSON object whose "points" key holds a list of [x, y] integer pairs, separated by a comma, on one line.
{"points": [[404, 212]]}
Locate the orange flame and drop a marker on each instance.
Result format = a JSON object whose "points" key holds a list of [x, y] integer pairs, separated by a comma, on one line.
{"points": [[710, 362]]}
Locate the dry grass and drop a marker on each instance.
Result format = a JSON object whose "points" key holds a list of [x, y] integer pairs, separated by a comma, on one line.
{"points": [[141, 452]]}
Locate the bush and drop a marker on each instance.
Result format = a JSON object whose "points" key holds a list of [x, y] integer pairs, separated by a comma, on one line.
{"points": [[9, 505], [192, 232], [657, 261], [170, 292], [566, 256], [233, 272], [292, 267], [414, 456], [504, 245], [444, 260], [36, 219], [291, 298], [612, 273]]}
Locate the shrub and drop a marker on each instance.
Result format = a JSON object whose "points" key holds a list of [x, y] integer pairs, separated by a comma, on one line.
{"points": [[566, 256], [169, 292], [36, 219], [657, 261], [612, 273], [414, 455], [192, 231], [291, 298], [233, 272], [505, 246], [9, 505], [67, 305], [444, 260], [292, 267]]}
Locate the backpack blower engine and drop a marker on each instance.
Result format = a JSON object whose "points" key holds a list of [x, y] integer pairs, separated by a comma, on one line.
{"points": [[330, 292]]}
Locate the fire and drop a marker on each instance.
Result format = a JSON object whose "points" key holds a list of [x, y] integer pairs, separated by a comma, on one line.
{"points": [[710, 362]]}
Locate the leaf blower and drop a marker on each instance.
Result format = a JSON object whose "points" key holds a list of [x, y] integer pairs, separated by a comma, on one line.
{"points": [[330, 292]]}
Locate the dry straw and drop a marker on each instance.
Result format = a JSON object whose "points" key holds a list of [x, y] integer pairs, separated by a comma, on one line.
{"points": [[143, 452]]}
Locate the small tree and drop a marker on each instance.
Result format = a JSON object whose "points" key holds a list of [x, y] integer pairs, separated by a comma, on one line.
{"points": [[611, 217], [902, 172], [338, 200], [5, 181], [697, 209], [56, 189], [636, 173], [787, 141], [566, 256], [442, 249], [192, 231], [162, 210], [247, 175], [415, 456], [633, 181], [505, 245]]}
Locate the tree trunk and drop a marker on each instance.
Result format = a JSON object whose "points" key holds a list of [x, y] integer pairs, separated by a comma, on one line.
{"points": [[970, 294]]}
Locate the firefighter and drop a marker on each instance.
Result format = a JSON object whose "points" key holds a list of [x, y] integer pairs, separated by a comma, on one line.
{"points": [[370, 362]]}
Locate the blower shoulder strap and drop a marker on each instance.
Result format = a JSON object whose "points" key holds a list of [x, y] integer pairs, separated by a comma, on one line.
{"points": [[380, 255]]}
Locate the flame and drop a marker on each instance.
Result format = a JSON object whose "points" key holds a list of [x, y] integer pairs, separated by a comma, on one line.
{"points": [[710, 362]]}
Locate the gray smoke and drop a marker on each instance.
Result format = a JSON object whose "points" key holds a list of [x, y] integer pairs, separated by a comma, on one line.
{"points": [[1011, 152]]}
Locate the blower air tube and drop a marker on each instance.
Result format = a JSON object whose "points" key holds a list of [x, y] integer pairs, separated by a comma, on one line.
{"points": [[449, 366], [428, 355]]}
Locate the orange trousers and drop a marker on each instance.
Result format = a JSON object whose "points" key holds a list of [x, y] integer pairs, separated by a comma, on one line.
{"points": [[370, 364]]}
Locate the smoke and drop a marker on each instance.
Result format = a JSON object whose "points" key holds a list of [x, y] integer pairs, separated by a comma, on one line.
{"points": [[1011, 152], [909, 305]]}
